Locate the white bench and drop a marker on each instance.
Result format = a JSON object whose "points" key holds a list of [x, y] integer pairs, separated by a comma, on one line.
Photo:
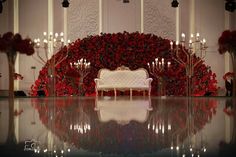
{"points": [[123, 79]]}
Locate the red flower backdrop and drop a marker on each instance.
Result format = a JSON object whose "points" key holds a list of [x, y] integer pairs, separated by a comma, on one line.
{"points": [[135, 137], [133, 50]]}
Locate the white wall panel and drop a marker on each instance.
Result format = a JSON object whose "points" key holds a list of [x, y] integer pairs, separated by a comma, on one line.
{"points": [[159, 18], [82, 18], [120, 17], [209, 16], [33, 16]]}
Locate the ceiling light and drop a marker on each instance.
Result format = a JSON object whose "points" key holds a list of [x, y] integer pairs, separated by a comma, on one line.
{"points": [[230, 5], [174, 4], [65, 4], [125, 1]]}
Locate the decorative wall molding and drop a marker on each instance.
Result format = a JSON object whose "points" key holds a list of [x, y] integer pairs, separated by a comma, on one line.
{"points": [[83, 18], [159, 18]]}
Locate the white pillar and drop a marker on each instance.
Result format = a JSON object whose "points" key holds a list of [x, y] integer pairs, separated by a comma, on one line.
{"points": [[177, 24], [50, 24], [16, 16], [16, 30], [228, 67], [100, 16], [142, 17], [17, 64], [65, 30], [228, 62]]}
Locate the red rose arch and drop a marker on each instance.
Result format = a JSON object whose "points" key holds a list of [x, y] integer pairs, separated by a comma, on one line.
{"points": [[133, 50]]}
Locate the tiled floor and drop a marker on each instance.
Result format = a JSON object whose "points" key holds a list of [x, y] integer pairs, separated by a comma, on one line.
{"points": [[117, 127]]}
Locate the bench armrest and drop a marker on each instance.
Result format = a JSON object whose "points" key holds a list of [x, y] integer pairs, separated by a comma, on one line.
{"points": [[98, 81], [148, 81]]}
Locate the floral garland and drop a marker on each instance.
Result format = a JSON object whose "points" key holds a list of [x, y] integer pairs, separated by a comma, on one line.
{"points": [[133, 50]]}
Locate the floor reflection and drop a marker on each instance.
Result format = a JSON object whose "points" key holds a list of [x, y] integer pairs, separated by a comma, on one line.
{"points": [[121, 126], [123, 109]]}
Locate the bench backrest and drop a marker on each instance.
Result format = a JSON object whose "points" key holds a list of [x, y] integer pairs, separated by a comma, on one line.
{"points": [[123, 77]]}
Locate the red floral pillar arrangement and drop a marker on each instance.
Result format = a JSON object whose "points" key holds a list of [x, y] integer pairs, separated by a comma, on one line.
{"points": [[227, 43], [10, 44]]}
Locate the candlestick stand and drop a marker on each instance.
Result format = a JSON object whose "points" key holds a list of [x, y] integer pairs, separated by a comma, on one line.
{"points": [[83, 68], [50, 44], [190, 57], [157, 69]]}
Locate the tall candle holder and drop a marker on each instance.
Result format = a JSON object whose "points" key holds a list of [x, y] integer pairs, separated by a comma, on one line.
{"points": [[157, 69], [82, 66], [189, 58], [50, 44]]}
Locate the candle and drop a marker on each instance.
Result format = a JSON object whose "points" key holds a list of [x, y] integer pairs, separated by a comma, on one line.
{"points": [[171, 45], [148, 66], [156, 60], [183, 37], [177, 44], [56, 35], [45, 43], [190, 43], [191, 35], [44, 33], [204, 42], [168, 64], [197, 36], [61, 34]]}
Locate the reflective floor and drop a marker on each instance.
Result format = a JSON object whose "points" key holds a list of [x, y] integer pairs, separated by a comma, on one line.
{"points": [[118, 127]]}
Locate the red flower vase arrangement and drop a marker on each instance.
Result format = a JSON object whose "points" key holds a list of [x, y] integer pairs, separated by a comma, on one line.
{"points": [[10, 44]]}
